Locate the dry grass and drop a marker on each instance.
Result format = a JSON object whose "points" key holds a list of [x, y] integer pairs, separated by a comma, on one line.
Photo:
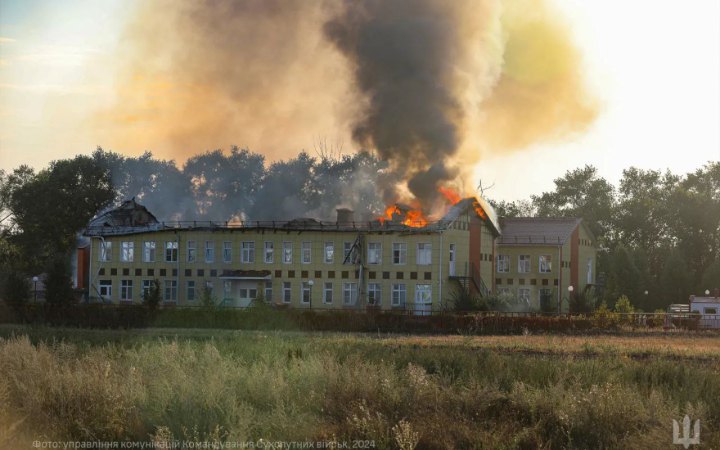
{"points": [[400, 392]]}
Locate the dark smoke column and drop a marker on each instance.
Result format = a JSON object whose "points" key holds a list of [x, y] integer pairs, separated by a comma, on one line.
{"points": [[404, 54]]}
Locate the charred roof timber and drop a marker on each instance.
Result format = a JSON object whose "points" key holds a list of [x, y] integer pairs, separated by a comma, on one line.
{"points": [[133, 218]]}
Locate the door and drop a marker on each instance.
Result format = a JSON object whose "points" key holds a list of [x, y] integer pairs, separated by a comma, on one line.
{"points": [[247, 293], [423, 299], [451, 271]]}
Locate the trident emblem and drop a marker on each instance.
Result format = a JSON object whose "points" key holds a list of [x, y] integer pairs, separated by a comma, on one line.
{"points": [[686, 440]]}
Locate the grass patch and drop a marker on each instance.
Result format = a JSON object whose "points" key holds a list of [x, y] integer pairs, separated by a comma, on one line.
{"points": [[397, 391]]}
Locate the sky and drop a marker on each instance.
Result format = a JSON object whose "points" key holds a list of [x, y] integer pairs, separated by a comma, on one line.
{"points": [[653, 69]]}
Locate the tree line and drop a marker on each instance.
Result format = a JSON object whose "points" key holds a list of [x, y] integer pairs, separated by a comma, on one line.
{"points": [[656, 231]]}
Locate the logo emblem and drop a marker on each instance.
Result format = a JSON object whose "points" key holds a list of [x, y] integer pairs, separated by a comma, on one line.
{"points": [[686, 440]]}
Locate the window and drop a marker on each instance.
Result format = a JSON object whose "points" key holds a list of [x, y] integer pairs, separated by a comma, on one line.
{"points": [[269, 250], [399, 253], [306, 252], [227, 290], [350, 293], [545, 297], [287, 252], [524, 264], [399, 294], [209, 251], [524, 296], [711, 311], [329, 252], [105, 251], [328, 294], [349, 253], [209, 289], [227, 251], [374, 294], [190, 291], [374, 252], [105, 289], [423, 294], [191, 252], [171, 251], [170, 291], [248, 252], [126, 287], [503, 291], [287, 292], [146, 286], [424, 254], [268, 291], [306, 294], [545, 264], [589, 271], [127, 251], [149, 251], [503, 263]]}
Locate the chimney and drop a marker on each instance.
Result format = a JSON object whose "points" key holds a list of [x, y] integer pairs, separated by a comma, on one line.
{"points": [[345, 215]]}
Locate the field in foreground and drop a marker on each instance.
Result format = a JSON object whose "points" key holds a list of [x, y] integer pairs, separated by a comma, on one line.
{"points": [[387, 391]]}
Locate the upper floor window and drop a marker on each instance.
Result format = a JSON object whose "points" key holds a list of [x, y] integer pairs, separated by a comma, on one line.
{"points": [[209, 251], [287, 252], [269, 252], [545, 264], [306, 252], [248, 252], [171, 251], [191, 252], [399, 253], [503, 263], [329, 252], [374, 253], [127, 251], [524, 264], [149, 251], [227, 251], [424, 254], [349, 253], [105, 251]]}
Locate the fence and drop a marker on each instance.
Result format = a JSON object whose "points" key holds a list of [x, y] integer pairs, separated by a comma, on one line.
{"points": [[348, 320]]}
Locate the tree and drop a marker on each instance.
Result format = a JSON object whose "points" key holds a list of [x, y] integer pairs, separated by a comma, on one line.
{"points": [[16, 289], [58, 285], [50, 208], [711, 277], [580, 193], [675, 280], [519, 208], [152, 297], [623, 305], [623, 276]]}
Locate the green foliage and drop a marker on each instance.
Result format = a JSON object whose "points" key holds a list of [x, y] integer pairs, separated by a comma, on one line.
{"points": [[548, 302], [623, 305], [16, 288], [582, 302], [463, 300], [711, 277], [153, 296], [58, 285]]}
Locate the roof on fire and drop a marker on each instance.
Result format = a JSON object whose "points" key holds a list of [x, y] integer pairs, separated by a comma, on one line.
{"points": [[132, 218]]}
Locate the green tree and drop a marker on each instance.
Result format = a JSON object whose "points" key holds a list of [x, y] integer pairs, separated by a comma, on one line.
{"points": [[152, 297], [580, 193], [623, 276], [16, 289], [675, 280], [48, 209], [711, 277], [623, 305], [58, 285]]}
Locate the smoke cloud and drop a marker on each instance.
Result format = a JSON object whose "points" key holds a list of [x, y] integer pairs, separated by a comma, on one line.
{"points": [[431, 86]]}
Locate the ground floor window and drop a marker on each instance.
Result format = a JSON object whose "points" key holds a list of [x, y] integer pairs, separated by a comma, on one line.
{"points": [[287, 292], [105, 288], [306, 293], [126, 288], [190, 293], [399, 294], [374, 294], [170, 291], [268, 291], [328, 294], [350, 293]]}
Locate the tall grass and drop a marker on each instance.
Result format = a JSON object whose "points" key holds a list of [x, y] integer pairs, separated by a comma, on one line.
{"points": [[296, 387]]}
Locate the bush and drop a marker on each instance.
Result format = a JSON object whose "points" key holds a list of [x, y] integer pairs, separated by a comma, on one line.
{"points": [[58, 285], [463, 300], [151, 298], [623, 305], [17, 289]]}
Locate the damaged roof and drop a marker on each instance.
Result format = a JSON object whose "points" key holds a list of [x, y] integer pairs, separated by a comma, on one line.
{"points": [[128, 214], [537, 230]]}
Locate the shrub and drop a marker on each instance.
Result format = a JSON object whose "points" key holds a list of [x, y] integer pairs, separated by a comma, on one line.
{"points": [[58, 285], [152, 297], [17, 289], [623, 305], [463, 300]]}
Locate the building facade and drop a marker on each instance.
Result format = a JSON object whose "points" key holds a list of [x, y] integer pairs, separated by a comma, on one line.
{"points": [[303, 263], [545, 260]]}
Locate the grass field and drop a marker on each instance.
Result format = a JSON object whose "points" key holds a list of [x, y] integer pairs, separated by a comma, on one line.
{"points": [[384, 391]]}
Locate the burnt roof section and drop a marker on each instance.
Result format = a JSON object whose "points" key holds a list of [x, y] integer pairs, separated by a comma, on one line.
{"points": [[128, 214], [122, 221], [537, 230]]}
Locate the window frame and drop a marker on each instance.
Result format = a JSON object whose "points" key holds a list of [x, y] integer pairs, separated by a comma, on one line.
{"points": [[400, 252]]}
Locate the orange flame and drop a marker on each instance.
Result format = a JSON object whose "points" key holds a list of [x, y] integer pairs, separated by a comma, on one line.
{"points": [[450, 194], [478, 209], [413, 218]]}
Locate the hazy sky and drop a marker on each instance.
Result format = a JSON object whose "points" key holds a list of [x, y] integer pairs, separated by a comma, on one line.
{"points": [[654, 68]]}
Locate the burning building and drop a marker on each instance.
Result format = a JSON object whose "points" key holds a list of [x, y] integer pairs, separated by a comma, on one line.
{"points": [[402, 261]]}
